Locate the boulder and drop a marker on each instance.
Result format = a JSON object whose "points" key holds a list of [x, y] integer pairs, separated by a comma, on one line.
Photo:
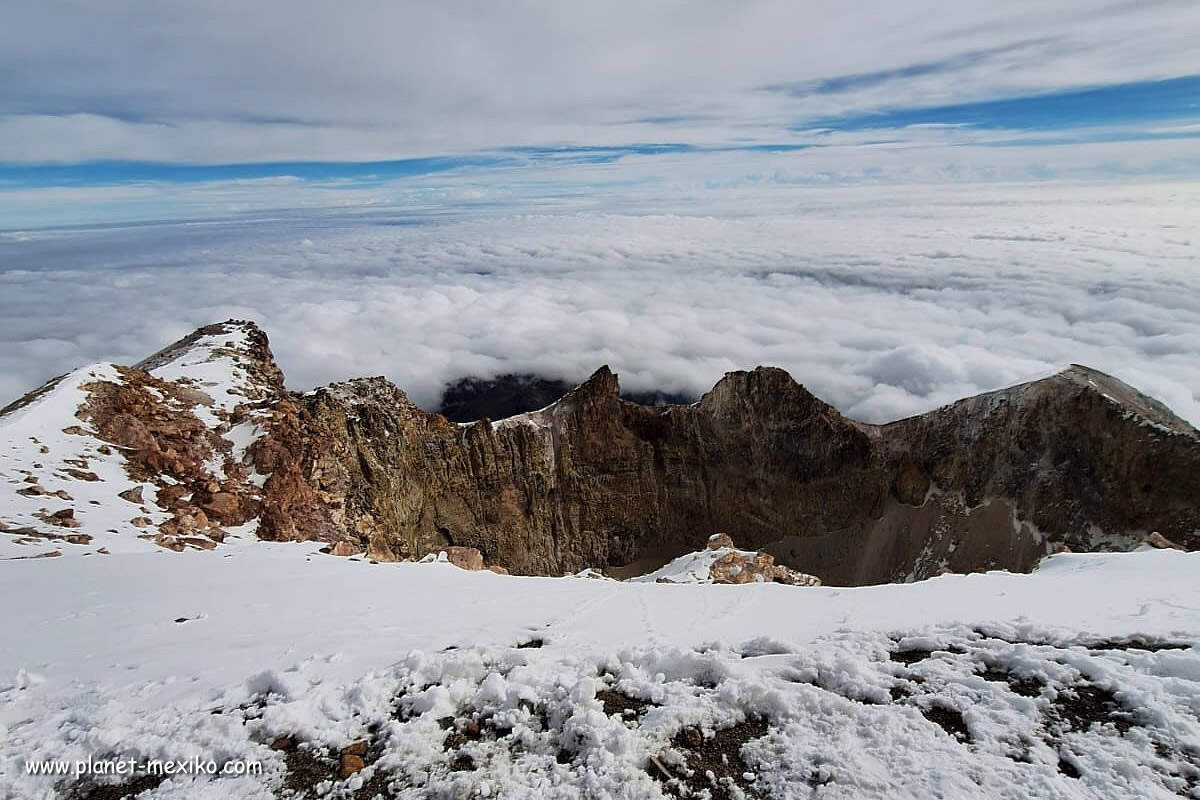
{"points": [[468, 558]]}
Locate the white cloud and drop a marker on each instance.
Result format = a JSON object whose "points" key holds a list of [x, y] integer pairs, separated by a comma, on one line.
{"points": [[884, 300], [304, 79]]}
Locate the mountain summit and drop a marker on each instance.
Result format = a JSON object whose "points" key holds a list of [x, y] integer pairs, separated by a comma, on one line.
{"points": [[201, 441]]}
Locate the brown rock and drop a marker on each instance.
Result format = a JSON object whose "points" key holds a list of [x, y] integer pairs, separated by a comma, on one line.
{"points": [[284, 743], [80, 474], [140, 522], [345, 548], [496, 568], [133, 495], [36, 490], [719, 540], [358, 748], [350, 764], [77, 538], [198, 542], [467, 558], [64, 518], [223, 506], [1157, 540]]}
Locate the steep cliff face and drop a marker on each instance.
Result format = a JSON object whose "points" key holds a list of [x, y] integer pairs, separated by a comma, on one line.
{"points": [[1076, 460], [999, 480]]}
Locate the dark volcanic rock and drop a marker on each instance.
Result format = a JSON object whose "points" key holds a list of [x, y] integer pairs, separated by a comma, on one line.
{"points": [[995, 481]]}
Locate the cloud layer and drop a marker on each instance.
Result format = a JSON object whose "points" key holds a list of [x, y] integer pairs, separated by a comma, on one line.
{"points": [[220, 81], [886, 301]]}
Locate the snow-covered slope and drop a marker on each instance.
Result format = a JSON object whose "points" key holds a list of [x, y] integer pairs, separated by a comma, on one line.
{"points": [[85, 459], [1081, 680]]}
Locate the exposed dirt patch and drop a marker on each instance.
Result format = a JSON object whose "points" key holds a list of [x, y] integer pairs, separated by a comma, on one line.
{"points": [[1079, 707], [1138, 643], [378, 785], [719, 754], [119, 791], [1026, 687], [950, 720], [910, 657], [622, 705], [306, 769]]}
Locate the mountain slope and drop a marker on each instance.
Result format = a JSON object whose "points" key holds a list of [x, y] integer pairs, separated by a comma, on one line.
{"points": [[219, 448]]}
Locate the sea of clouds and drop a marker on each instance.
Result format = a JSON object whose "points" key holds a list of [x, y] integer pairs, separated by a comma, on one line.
{"points": [[884, 300]]}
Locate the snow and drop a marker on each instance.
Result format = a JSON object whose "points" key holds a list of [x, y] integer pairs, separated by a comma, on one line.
{"points": [[35, 442], [692, 567], [279, 639]]}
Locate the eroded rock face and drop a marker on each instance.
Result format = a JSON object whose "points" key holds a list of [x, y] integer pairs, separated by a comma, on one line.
{"points": [[992, 482], [1077, 461]]}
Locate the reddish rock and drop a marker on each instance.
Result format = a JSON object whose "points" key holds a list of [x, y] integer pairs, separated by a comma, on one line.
{"points": [[1157, 540], [199, 542], [468, 558], [223, 506], [133, 495], [358, 748], [284, 743], [345, 548], [64, 518], [169, 542], [739, 566], [350, 764], [719, 540]]}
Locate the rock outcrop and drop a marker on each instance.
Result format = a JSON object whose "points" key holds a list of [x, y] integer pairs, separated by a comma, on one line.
{"points": [[722, 562], [997, 481]]}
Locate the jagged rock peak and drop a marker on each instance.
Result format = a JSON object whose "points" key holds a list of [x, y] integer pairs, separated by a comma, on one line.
{"points": [[764, 391], [602, 385], [1122, 394], [240, 344]]}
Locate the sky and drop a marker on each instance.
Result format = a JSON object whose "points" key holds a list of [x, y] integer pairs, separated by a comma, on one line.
{"points": [[428, 190]]}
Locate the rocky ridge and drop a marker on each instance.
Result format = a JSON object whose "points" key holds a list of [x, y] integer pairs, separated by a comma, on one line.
{"points": [[202, 441]]}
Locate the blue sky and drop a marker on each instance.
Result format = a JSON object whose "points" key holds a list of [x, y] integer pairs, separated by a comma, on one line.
{"points": [[696, 94]]}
